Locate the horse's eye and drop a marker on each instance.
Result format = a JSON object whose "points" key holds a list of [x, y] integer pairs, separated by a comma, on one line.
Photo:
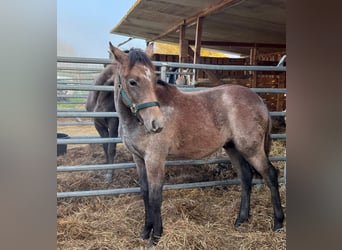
{"points": [[132, 82]]}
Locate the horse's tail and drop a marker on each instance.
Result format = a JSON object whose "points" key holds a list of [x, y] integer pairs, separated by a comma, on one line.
{"points": [[267, 143]]}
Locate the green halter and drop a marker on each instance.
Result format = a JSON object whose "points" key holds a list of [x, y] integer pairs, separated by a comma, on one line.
{"points": [[132, 106]]}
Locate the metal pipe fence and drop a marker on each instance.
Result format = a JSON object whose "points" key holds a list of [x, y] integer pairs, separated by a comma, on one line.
{"points": [[78, 90]]}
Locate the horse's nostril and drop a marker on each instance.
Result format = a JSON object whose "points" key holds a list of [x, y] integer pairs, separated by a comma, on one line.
{"points": [[156, 127]]}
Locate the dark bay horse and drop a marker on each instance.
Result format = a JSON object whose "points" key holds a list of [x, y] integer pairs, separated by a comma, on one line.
{"points": [[103, 101], [159, 122]]}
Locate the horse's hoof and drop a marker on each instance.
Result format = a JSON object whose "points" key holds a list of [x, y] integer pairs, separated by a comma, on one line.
{"points": [[239, 221], [145, 234], [277, 226], [150, 244], [153, 241]]}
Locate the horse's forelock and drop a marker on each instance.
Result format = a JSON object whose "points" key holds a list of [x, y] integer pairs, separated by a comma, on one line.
{"points": [[137, 55]]}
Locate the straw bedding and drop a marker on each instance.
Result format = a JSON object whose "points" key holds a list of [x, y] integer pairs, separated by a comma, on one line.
{"points": [[193, 218]]}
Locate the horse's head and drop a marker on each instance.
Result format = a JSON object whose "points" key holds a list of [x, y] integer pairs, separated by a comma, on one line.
{"points": [[136, 83]]}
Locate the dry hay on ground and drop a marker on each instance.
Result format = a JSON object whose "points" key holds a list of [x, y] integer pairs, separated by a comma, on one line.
{"points": [[193, 219]]}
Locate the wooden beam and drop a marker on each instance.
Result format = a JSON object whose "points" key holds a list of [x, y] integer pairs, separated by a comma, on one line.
{"points": [[189, 20], [239, 44]]}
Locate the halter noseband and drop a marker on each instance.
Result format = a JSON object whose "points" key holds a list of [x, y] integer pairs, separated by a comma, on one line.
{"points": [[131, 105]]}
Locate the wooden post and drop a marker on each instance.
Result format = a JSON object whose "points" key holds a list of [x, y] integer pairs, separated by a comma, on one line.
{"points": [[198, 40], [252, 61], [183, 45], [215, 80], [280, 97]]}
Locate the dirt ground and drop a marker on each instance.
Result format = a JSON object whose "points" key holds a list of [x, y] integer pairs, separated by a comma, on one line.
{"points": [[200, 218]]}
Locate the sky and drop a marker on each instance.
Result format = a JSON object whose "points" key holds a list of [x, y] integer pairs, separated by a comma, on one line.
{"points": [[83, 27]]}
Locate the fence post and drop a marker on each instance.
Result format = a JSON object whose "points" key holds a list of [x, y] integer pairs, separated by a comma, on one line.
{"points": [[163, 73]]}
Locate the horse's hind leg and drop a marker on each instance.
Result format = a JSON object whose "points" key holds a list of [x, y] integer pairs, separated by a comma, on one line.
{"points": [[111, 148], [246, 175], [270, 175], [103, 131]]}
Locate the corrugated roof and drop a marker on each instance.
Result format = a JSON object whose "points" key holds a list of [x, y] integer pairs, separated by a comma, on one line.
{"points": [[225, 22]]}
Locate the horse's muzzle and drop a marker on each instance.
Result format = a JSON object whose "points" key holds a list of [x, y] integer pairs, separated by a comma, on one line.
{"points": [[153, 119]]}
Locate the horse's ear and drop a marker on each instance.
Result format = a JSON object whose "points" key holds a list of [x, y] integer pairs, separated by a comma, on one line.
{"points": [[118, 55], [149, 50]]}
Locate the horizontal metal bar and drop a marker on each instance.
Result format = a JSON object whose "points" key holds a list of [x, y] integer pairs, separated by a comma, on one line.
{"points": [[88, 60], [220, 67], [69, 103], [91, 70], [88, 87], [278, 113], [278, 136], [127, 165], [61, 86], [75, 80], [88, 140], [96, 167], [165, 187], [257, 90], [178, 73], [132, 165], [71, 110], [178, 65], [73, 95], [80, 113], [64, 114], [74, 123], [85, 123], [269, 90], [94, 140]]}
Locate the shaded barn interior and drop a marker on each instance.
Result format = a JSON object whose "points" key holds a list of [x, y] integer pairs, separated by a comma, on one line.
{"points": [[252, 79], [255, 29]]}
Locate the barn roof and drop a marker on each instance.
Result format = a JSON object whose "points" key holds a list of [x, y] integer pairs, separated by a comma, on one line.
{"points": [[230, 25]]}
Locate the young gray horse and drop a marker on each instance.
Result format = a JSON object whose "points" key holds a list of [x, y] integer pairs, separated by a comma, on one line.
{"points": [[159, 122]]}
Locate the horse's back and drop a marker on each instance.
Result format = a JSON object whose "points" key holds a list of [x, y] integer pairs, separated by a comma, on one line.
{"points": [[99, 101], [241, 101], [213, 117]]}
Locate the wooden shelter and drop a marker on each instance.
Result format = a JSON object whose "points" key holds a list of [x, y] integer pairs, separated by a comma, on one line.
{"points": [[256, 29]]}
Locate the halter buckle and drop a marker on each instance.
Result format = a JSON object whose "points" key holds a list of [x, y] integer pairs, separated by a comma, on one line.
{"points": [[133, 108]]}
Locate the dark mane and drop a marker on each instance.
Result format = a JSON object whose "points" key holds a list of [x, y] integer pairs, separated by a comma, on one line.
{"points": [[137, 55], [166, 92], [166, 85], [161, 82]]}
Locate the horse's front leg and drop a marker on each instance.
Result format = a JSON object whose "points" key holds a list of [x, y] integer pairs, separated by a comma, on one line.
{"points": [[145, 234], [155, 169]]}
